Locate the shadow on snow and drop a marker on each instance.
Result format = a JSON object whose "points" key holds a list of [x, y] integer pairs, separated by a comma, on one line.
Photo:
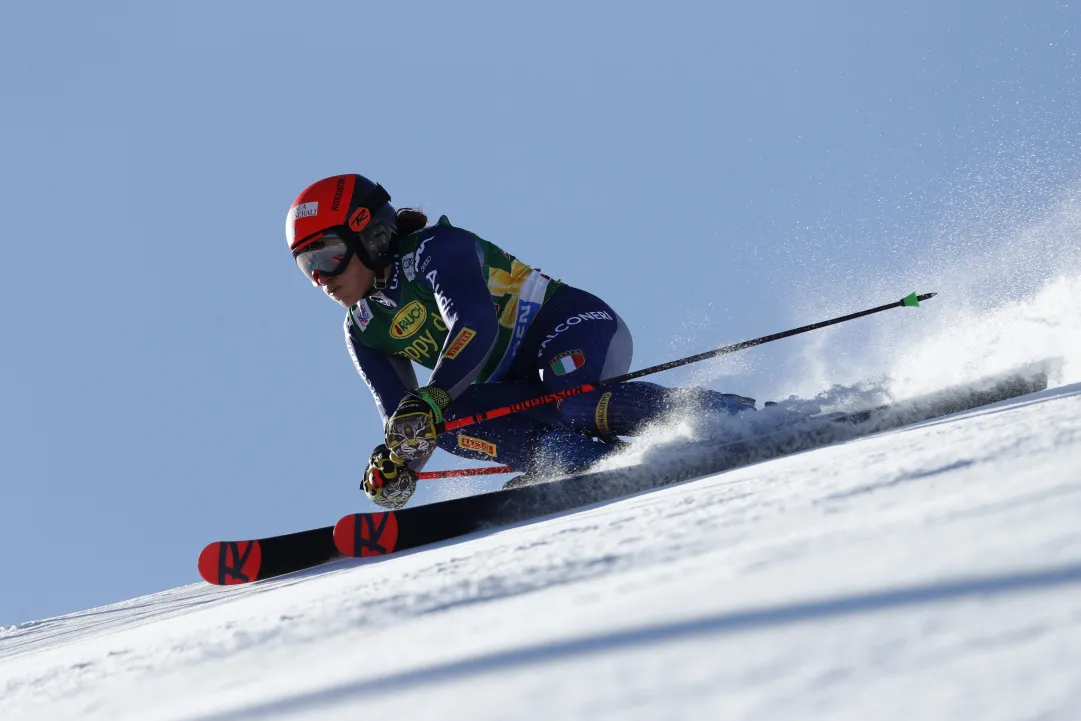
{"points": [[725, 623]]}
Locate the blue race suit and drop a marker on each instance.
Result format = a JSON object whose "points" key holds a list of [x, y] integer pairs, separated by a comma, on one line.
{"points": [[574, 338]]}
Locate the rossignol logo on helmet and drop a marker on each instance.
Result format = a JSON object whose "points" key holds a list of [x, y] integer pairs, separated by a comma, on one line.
{"points": [[360, 219], [338, 190]]}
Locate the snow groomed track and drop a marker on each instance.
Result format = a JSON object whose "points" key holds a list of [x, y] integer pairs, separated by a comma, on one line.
{"points": [[928, 572]]}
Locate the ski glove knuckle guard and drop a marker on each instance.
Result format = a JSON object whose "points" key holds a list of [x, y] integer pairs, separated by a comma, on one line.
{"points": [[410, 432], [388, 482]]}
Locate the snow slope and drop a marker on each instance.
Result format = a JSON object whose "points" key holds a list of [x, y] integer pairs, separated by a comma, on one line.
{"points": [[928, 573]]}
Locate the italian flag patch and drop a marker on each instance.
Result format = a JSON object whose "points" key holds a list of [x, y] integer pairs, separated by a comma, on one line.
{"points": [[568, 362]]}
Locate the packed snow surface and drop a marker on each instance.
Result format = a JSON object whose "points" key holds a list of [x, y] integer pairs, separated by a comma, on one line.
{"points": [[932, 572]]}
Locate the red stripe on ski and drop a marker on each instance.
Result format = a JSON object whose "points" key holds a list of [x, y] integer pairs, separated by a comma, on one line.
{"points": [[227, 563], [366, 534]]}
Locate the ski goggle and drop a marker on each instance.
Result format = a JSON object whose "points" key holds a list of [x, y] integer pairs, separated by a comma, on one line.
{"points": [[324, 255]]}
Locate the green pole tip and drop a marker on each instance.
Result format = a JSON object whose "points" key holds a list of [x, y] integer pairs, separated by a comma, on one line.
{"points": [[910, 301]]}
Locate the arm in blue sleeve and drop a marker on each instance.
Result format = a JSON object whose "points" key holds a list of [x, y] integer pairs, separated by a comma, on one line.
{"points": [[388, 377], [451, 266]]}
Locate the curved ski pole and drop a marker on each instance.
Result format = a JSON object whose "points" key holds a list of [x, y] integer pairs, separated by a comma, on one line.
{"points": [[909, 301]]}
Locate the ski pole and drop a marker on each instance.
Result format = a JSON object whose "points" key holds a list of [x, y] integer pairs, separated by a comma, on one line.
{"points": [[912, 300], [460, 472]]}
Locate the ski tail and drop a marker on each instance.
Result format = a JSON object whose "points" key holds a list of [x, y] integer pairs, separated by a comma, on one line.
{"points": [[227, 563]]}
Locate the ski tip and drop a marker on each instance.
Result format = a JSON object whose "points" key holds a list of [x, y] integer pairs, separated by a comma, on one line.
{"points": [[226, 563], [366, 534]]}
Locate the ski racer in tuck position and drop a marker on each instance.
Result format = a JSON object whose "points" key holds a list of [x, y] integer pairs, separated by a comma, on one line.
{"points": [[493, 331]]}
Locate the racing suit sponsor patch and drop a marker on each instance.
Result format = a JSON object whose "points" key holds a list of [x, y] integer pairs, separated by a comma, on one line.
{"points": [[573, 321], [600, 415], [480, 445], [408, 320], [362, 314], [459, 343]]}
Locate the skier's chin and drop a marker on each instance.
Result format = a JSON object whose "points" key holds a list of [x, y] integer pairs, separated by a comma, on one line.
{"points": [[346, 300]]}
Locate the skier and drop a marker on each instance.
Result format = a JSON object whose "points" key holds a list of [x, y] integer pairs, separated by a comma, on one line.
{"points": [[492, 330]]}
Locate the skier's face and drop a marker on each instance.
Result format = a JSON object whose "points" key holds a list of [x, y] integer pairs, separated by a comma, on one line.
{"points": [[349, 286]]}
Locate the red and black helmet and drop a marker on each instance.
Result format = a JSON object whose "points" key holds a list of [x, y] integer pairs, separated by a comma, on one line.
{"points": [[349, 208]]}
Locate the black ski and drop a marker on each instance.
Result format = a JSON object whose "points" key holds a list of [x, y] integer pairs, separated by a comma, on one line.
{"points": [[225, 563]]}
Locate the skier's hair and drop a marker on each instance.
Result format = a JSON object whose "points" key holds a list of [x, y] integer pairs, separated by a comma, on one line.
{"points": [[410, 220]]}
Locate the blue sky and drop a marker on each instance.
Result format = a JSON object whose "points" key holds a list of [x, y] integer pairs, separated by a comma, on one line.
{"points": [[715, 171]]}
